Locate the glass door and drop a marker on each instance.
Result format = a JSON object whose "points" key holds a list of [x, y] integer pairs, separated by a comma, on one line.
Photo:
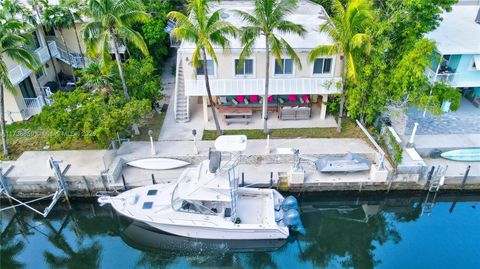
{"points": [[27, 89]]}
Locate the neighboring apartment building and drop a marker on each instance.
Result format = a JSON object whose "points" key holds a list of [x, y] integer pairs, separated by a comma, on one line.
{"points": [[290, 85], [458, 45], [33, 88]]}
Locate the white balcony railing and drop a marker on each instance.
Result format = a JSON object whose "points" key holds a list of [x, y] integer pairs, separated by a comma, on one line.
{"points": [[73, 59], [455, 79], [34, 106], [21, 72], [277, 86]]}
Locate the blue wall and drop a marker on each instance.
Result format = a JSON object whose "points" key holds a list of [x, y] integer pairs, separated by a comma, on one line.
{"points": [[464, 69]]}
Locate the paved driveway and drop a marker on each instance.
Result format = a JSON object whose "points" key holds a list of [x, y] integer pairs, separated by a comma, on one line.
{"points": [[466, 120]]}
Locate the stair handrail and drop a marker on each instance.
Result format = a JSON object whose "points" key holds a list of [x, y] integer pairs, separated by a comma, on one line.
{"points": [[176, 85]]}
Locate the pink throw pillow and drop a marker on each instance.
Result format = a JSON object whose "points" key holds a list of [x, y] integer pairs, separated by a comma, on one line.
{"points": [[254, 98], [292, 98], [305, 98], [241, 98], [270, 99]]}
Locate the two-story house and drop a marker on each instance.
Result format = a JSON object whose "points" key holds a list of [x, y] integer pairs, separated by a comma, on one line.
{"points": [[458, 47], [34, 87], [294, 90]]}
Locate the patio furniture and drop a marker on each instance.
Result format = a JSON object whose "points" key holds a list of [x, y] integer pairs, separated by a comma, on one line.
{"points": [[295, 113], [288, 113], [303, 113], [251, 102], [234, 114]]}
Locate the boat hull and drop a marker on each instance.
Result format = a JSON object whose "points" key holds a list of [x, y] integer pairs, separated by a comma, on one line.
{"points": [[221, 233], [157, 163]]}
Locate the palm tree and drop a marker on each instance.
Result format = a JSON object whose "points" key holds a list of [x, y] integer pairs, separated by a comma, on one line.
{"points": [[58, 17], [35, 4], [347, 29], [205, 30], [75, 8], [113, 20], [13, 44], [95, 79], [267, 21]]}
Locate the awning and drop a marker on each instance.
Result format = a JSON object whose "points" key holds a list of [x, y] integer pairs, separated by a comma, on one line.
{"points": [[476, 60]]}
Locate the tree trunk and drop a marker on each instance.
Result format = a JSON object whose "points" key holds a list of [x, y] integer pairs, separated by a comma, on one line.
{"points": [[82, 57], [2, 121], [267, 79], [342, 101], [119, 64], [209, 93], [48, 49], [68, 55]]}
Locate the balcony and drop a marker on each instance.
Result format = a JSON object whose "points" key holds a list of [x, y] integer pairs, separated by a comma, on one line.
{"points": [[459, 80], [71, 58], [21, 72], [254, 86], [34, 106]]}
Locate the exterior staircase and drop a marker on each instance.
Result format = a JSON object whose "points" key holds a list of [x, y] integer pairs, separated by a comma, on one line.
{"points": [[181, 102]]}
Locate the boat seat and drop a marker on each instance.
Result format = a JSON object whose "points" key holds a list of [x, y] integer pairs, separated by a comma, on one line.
{"points": [[228, 212], [215, 158]]}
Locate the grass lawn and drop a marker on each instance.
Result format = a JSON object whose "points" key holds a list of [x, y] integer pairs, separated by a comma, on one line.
{"points": [[27, 136], [349, 130], [155, 124]]}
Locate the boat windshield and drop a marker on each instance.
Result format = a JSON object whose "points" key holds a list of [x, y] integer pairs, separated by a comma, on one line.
{"points": [[185, 205]]}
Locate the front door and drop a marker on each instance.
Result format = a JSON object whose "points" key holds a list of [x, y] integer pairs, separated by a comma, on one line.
{"points": [[27, 88]]}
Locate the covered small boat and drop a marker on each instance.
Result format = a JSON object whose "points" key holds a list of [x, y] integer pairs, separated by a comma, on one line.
{"points": [[463, 155], [346, 164], [206, 202]]}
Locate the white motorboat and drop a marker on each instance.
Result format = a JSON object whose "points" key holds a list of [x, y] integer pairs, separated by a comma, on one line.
{"points": [[206, 202]]}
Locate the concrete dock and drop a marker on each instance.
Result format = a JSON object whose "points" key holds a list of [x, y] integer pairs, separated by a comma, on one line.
{"points": [[91, 171]]}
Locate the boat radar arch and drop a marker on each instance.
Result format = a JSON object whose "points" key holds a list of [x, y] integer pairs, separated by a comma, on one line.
{"points": [[231, 143]]}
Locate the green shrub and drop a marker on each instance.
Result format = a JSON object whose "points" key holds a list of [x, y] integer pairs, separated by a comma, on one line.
{"points": [[142, 80], [89, 116]]}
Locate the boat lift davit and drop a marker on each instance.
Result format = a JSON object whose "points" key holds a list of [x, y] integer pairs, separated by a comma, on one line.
{"points": [[62, 190]]}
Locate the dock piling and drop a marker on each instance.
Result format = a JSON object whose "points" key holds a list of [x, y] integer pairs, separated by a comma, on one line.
{"points": [[465, 178], [153, 179], [243, 179], [124, 184]]}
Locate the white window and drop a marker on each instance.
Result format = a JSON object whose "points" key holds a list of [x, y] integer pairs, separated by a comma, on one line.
{"points": [[244, 70], [41, 73], [285, 69], [210, 68], [322, 66]]}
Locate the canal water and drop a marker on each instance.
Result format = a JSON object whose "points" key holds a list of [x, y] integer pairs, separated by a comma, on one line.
{"points": [[342, 231]]}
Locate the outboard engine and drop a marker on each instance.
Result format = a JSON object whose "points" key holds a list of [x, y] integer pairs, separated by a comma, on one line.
{"points": [[291, 217], [289, 203]]}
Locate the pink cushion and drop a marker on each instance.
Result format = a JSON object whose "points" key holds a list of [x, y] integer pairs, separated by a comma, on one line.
{"points": [[241, 98], [292, 98], [270, 99], [305, 98], [254, 98]]}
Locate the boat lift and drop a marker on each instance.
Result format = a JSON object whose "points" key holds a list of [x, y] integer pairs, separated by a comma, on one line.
{"points": [[62, 190]]}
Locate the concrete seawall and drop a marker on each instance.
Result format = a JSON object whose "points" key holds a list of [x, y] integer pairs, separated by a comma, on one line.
{"points": [[91, 171]]}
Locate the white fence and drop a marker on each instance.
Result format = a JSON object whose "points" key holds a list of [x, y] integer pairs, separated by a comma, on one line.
{"points": [[257, 86]]}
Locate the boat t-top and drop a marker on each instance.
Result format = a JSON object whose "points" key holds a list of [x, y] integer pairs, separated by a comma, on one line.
{"points": [[206, 201]]}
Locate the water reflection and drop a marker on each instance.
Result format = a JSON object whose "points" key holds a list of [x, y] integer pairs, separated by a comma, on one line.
{"points": [[341, 231]]}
